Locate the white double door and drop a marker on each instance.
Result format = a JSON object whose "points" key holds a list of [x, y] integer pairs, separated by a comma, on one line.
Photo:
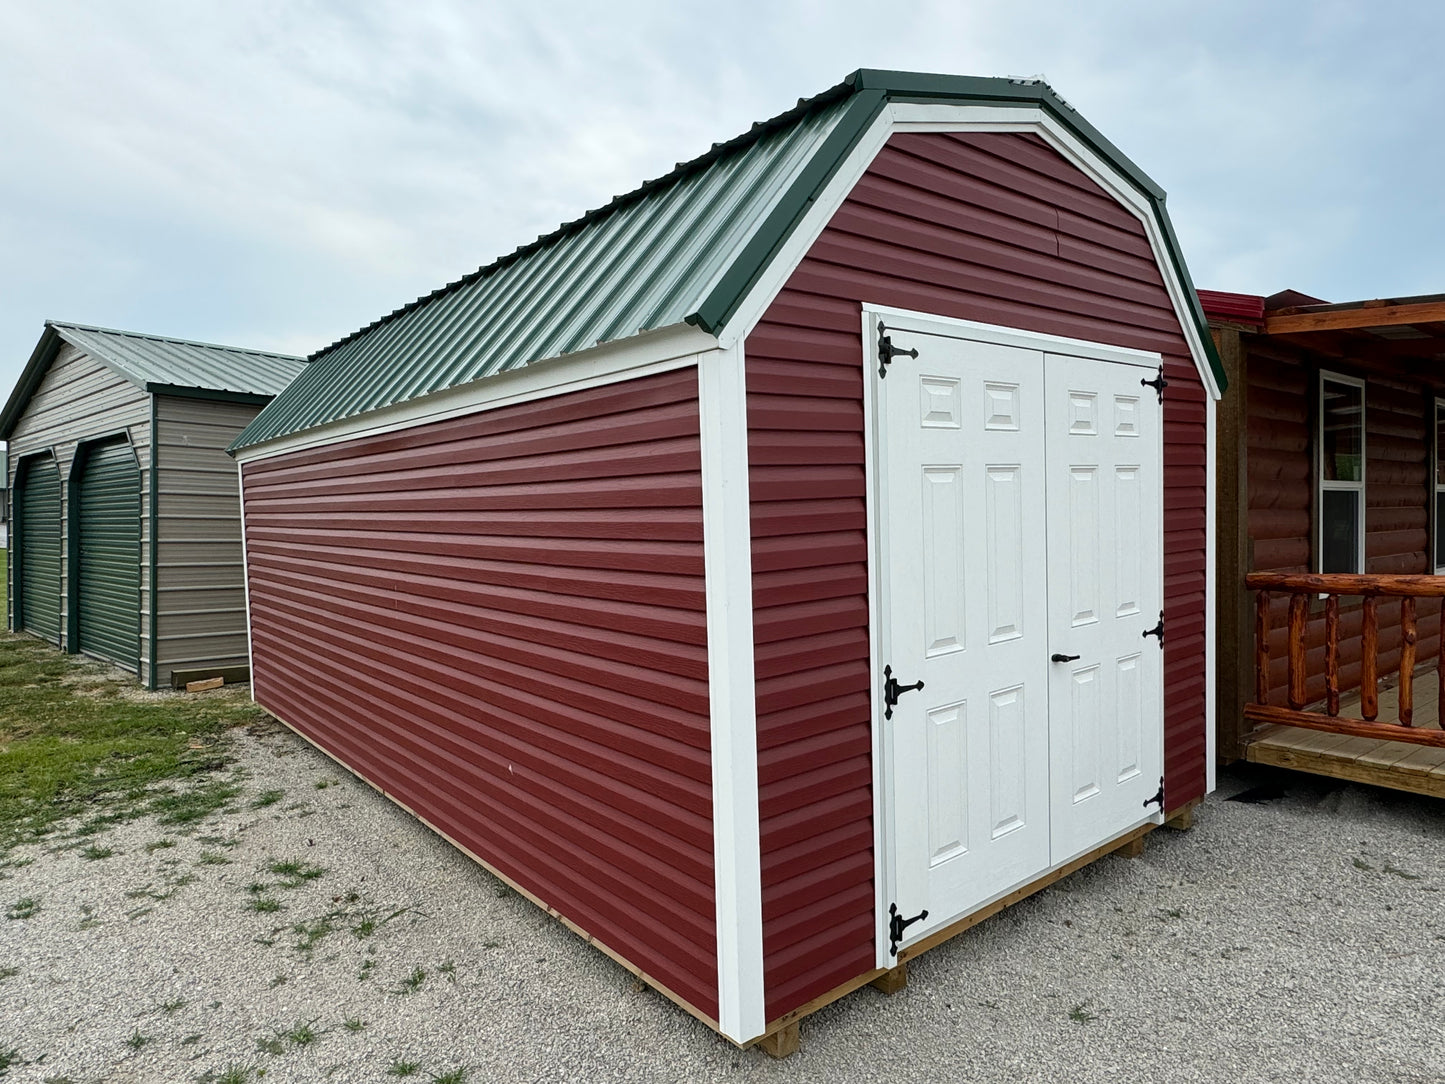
{"points": [[1019, 505]]}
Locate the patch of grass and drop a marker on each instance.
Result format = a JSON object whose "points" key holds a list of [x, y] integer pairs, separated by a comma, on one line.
{"points": [[95, 852], [25, 907], [365, 928], [1080, 1013], [454, 1076], [263, 905], [219, 841], [137, 1040], [367, 966], [211, 858], [159, 845], [322, 784], [175, 1005], [10, 1057], [449, 969], [72, 752], [294, 873], [301, 1034], [8, 973], [413, 982], [311, 933], [231, 1074], [401, 1067], [267, 797]]}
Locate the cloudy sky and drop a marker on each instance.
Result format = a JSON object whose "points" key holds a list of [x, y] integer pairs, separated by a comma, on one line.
{"points": [[276, 174]]}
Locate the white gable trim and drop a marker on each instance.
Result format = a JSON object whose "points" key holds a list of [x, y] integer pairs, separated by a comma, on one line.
{"points": [[651, 352], [909, 117]]}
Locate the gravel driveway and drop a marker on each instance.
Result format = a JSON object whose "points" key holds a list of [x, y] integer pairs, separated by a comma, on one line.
{"points": [[319, 933]]}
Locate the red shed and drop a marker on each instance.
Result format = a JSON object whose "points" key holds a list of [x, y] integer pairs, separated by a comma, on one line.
{"points": [[781, 568]]}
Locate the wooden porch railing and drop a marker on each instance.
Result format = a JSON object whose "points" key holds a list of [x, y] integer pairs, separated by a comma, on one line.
{"points": [[1301, 588]]}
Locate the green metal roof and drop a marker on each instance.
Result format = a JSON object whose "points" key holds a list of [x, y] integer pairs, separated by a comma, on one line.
{"points": [[157, 364], [685, 248]]}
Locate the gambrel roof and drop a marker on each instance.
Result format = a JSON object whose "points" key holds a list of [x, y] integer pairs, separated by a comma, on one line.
{"points": [[683, 249]]}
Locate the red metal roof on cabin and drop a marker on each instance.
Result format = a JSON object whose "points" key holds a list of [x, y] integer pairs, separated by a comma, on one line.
{"points": [[994, 228], [1228, 306]]}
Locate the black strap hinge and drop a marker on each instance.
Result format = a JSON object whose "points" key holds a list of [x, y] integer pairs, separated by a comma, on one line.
{"points": [[1157, 630], [1158, 383], [892, 690], [897, 924], [887, 351], [1158, 798]]}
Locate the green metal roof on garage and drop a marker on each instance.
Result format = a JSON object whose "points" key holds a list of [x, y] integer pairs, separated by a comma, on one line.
{"points": [[156, 363], [685, 248]]}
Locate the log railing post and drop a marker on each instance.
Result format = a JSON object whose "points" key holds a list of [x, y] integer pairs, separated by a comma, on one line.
{"points": [[1261, 648], [1298, 616], [1332, 654], [1369, 658], [1408, 637]]}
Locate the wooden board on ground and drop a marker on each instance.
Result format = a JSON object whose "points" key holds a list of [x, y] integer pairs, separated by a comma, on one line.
{"points": [[202, 686]]}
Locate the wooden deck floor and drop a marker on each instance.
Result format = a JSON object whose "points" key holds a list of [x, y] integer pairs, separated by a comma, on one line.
{"points": [[1419, 769]]}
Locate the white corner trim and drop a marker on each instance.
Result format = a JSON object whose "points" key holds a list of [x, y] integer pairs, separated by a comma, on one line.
{"points": [[1211, 593], [650, 352], [246, 576], [918, 117], [727, 548]]}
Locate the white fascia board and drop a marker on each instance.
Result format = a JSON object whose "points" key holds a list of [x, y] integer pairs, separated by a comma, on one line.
{"points": [[644, 354], [914, 117], [732, 693], [922, 323]]}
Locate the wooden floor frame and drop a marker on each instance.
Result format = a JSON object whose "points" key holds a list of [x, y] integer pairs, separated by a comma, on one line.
{"points": [[782, 1036]]}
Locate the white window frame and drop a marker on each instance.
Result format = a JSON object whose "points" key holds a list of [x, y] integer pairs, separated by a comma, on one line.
{"points": [[1437, 488], [1323, 485]]}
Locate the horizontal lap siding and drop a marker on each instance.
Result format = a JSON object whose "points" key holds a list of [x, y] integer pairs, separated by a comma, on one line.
{"points": [[1283, 389], [994, 228], [499, 620]]}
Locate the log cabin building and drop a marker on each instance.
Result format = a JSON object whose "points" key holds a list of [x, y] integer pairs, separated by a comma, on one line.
{"points": [[1331, 535]]}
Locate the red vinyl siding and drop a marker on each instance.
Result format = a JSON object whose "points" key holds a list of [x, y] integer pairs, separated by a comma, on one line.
{"points": [[994, 228], [500, 621]]}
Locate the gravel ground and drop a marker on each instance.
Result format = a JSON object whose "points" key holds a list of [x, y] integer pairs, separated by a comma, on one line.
{"points": [[1300, 937]]}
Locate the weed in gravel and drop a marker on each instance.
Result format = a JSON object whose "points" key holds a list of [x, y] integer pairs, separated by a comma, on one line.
{"points": [[491, 944], [310, 933], [257, 888], [449, 969], [25, 907], [301, 1034], [95, 852], [263, 905], [279, 979], [271, 1044], [8, 973], [322, 784], [354, 1024], [159, 845], [175, 1005], [192, 806], [1166, 913], [413, 982], [268, 797], [10, 1056], [60, 1080], [191, 1040], [501, 892], [182, 880], [1360, 863], [1080, 1013], [367, 966], [231, 1074], [137, 1040], [365, 928], [454, 1076], [139, 912], [294, 873], [401, 1067], [211, 858], [219, 841], [1396, 871]]}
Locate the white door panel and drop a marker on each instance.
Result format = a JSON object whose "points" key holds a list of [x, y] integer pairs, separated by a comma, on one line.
{"points": [[962, 478], [1018, 500]]}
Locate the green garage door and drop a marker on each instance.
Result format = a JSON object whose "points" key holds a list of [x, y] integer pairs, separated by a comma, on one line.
{"points": [[37, 547], [108, 586]]}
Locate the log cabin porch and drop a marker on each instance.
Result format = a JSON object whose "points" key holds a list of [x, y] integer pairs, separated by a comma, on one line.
{"points": [[1330, 510]]}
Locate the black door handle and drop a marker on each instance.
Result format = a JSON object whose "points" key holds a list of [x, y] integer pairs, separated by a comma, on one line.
{"points": [[1056, 657]]}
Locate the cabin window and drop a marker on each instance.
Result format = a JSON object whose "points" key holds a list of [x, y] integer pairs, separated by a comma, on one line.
{"points": [[1439, 532], [1342, 474]]}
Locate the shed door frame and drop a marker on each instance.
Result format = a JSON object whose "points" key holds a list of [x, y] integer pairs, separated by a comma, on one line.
{"points": [[16, 541], [904, 319]]}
